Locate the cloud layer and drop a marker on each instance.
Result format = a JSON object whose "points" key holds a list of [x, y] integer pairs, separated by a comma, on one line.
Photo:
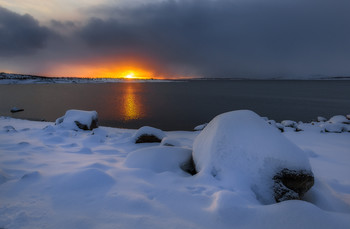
{"points": [[209, 38], [20, 35]]}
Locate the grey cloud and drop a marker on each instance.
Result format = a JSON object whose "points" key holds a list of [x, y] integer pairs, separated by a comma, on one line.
{"points": [[230, 38], [63, 25], [20, 34]]}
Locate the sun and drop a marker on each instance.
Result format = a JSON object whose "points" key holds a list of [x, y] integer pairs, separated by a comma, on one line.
{"points": [[131, 75]]}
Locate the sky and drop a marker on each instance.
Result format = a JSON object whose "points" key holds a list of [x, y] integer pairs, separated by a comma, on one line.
{"points": [[176, 38]]}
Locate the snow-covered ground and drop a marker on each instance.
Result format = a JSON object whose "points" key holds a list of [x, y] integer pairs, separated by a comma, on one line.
{"points": [[52, 176]]}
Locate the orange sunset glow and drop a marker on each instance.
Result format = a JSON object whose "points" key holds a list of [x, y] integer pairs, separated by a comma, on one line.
{"points": [[130, 70]]}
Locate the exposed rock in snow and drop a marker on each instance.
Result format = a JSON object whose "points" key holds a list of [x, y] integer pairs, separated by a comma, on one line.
{"points": [[280, 127], [339, 119], [291, 184], [15, 110], [276, 125], [78, 119], [147, 134], [243, 152]]}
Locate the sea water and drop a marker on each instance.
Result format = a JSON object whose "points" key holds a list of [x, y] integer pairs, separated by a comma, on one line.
{"points": [[178, 105]]}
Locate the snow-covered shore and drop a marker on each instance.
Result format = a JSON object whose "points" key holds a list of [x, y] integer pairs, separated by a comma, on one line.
{"points": [[54, 177]]}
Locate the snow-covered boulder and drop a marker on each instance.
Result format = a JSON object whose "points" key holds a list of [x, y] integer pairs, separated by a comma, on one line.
{"points": [[245, 153], [276, 125], [333, 127], [321, 119], [289, 123], [147, 134], [339, 119], [78, 119]]}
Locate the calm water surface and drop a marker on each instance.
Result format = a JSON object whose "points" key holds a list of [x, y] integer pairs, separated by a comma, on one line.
{"points": [[178, 105]]}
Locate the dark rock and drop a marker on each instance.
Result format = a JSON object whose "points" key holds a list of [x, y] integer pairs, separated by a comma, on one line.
{"points": [[189, 167], [15, 110], [168, 144], [292, 184], [93, 125], [147, 138], [147, 134]]}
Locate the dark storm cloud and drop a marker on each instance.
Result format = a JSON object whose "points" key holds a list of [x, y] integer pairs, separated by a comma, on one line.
{"points": [[230, 38], [20, 34]]}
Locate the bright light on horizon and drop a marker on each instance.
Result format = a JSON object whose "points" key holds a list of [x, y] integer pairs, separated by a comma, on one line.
{"points": [[130, 76]]}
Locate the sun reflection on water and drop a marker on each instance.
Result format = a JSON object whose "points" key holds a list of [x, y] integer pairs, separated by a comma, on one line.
{"points": [[132, 106]]}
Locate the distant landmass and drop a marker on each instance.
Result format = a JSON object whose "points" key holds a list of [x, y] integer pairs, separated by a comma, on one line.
{"points": [[13, 78]]}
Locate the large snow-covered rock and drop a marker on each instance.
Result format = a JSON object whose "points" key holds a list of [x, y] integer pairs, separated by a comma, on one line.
{"points": [[78, 119], [339, 119], [245, 153]]}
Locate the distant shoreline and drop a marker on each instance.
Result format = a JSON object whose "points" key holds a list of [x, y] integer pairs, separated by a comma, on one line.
{"points": [[13, 78]]}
